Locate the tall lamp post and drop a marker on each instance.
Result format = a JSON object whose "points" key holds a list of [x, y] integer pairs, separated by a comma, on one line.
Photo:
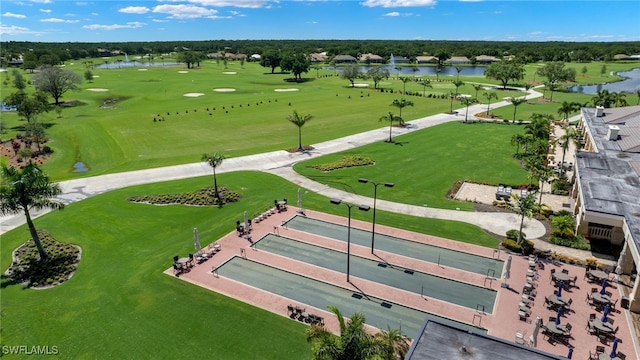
{"points": [[349, 206], [375, 195]]}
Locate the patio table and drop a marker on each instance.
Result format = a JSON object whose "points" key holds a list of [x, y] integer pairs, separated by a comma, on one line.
{"points": [[604, 327], [557, 300], [600, 298], [560, 276], [598, 274], [556, 329], [605, 356]]}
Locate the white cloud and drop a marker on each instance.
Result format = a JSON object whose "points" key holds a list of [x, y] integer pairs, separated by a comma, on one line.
{"points": [[42, 1], [393, 13], [254, 4], [129, 25], [58, 20], [159, 21], [82, 3], [398, 3], [15, 30], [12, 15], [471, 0], [94, 14], [135, 10], [45, 10], [185, 11], [535, 33]]}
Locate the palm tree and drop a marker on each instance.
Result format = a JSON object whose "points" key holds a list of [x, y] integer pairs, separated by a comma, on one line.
{"points": [[567, 108], [401, 104], [26, 189], [404, 84], [459, 70], [603, 98], [564, 226], [571, 135], [543, 173], [354, 342], [516, 102], [426, 83], [527, 87], [457, 84], [517, 140], [214, 160], [467, 100], [638, 94], [391, 118], [299, 121], [490, 95], [477, 87], [523, 206], [620, 99], [538, 126]]}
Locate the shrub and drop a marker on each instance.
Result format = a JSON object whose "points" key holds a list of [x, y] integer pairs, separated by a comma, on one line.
{"points": [[513, 235], [525, 247], [561, 186]]}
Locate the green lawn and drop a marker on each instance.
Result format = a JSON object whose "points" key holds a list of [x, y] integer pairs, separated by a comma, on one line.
{"points": [[120, 305]]}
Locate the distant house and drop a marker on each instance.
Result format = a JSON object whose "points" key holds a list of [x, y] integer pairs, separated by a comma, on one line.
{"points": [[237, 57], [621, 57], [429, 59], [15, 61], [486, 59], [344, 59], [459, 60], [318, 57], [399, 60], [371, 58], [216, 55], [255, 57]]}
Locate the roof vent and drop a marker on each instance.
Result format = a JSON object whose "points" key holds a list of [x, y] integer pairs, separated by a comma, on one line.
{"points": [[612, 133], [599, 111]]}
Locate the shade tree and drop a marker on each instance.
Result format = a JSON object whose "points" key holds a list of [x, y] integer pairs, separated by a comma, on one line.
{"points": [[55, 81], [505, 71]]}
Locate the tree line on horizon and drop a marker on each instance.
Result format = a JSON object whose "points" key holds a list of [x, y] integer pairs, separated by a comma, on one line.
{"points": [[527, 51]]}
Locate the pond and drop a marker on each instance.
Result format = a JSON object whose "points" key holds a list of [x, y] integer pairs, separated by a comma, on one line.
{"points": [[129, 64], [630, 84], [406, 69]]}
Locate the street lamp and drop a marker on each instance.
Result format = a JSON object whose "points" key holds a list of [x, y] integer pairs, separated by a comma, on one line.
{"points": [[375, 195], [349, 206]]}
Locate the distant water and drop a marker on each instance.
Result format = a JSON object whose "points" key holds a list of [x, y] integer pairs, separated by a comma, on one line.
{"points": [[129, 64], [406, 69], [630, 84]]}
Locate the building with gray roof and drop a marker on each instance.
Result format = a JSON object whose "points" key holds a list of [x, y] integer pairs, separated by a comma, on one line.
{"points": [[606, 191]]}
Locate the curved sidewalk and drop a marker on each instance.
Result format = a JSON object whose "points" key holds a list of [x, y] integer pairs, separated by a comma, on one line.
{"points": [[280, 163]]}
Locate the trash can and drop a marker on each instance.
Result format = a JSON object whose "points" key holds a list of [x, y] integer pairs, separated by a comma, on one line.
{"points": [[624, 302]]}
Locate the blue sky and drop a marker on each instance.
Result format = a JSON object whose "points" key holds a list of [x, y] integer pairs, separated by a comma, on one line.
{"points": [[145, 20]]}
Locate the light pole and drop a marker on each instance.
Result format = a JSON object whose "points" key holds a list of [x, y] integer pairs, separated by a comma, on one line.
{"points": [[349, 206], [375, 195]]}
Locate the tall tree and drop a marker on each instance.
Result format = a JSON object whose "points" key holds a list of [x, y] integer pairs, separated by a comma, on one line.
{"points": [[523, 206], [391, 119], [543, 174], [570, 136], [27, 189], [477, 87], [466, 101], [620, 99], [555, 72], [458, 70], [351, 73], [214, 160], [538, 126], [604, 98], [426, 83], [489, 95], [299, 121], [297, 63], [516, 102], [55, 81], [271, 59], [517, 140], [376, 73], [505, 71], [400, 104], [567, 108], [28, 106], [18, 80], [404, 84]]}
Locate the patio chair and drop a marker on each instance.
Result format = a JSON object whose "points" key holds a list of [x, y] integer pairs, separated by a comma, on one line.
{"points": [[610, 320], [568, 327], [590, 329], [175, 258], [191, 262], [599, 349], [176, 269], [621, 356], [588, 298], [290, 309], [613, 304], [593, 289], [565, 271]]}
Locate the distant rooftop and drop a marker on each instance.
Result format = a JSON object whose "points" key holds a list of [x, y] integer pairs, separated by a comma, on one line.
{"points": [[438, 341]]}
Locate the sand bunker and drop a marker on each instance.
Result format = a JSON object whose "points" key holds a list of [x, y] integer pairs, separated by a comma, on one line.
{"points": [[96, 76], [143, 69], [230, 72], [224, 89], [183, 72], [360, 85], [3, 70], [286, 90], [193, 94], [98, 90]]}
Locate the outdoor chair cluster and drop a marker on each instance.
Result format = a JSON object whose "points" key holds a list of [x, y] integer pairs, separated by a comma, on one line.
{"points": [[529, 291], [600, 350], [182, 265], [240, 228], [300, 314], [503, 193]]}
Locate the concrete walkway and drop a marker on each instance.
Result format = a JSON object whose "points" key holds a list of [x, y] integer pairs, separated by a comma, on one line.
{"points": [[280, 163]]}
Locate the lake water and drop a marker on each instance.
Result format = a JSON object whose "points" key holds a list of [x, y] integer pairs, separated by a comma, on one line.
{"points": [[129, 64], [405, 69], [630, 84]]}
